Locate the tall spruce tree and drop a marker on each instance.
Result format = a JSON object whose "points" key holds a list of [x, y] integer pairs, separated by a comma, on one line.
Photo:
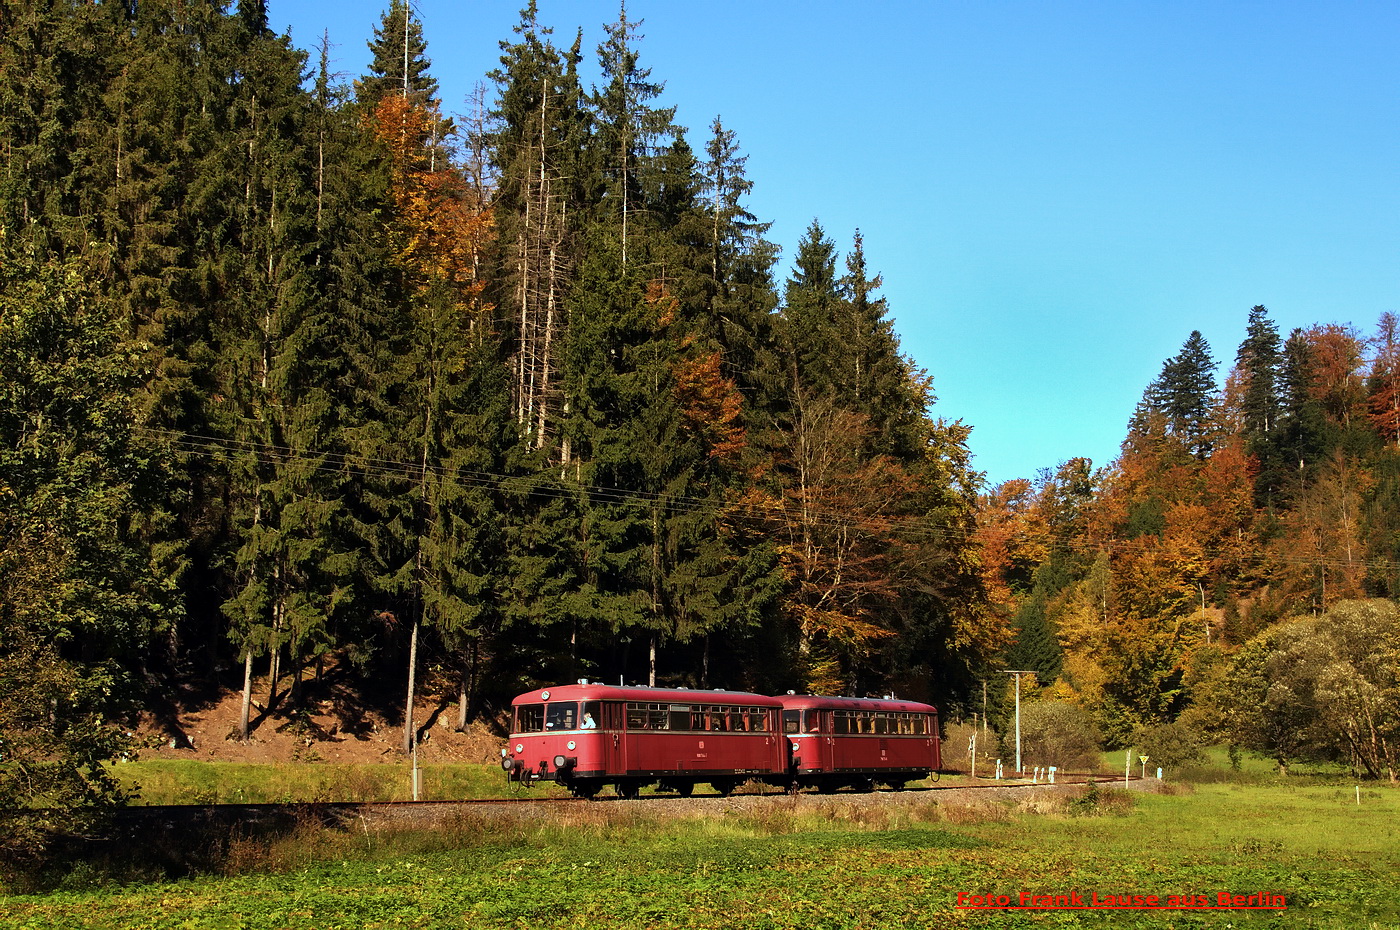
{"points": [[400, 62], [1182, 396], [1304, 437], [810, 314], [1258, 359], [741, 292], [629, 130], [278, 498]]}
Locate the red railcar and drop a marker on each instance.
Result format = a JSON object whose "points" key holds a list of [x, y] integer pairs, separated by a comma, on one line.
{"points": [[586, 736], [837, 742]]}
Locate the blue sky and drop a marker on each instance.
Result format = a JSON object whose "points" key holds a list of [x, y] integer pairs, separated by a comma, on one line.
{"points": [[1057, 193]]}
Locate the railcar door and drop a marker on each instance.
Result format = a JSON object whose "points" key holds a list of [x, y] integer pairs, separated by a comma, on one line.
{"points": [[615, 736]]}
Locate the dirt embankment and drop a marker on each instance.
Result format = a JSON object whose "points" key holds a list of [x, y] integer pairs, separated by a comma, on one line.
{"points": [[328, 724]]}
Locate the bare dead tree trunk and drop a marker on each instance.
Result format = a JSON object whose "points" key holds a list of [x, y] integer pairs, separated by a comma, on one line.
{"points": [[409, 736], [243, 713]]}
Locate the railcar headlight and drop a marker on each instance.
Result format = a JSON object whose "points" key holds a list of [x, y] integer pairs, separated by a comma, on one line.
{"points": [[572, 745], [560, 762], [507, 763], [519, 747]]}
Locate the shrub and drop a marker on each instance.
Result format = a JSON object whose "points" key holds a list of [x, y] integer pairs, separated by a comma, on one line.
{"points": [[1169, 745], [1059, 734]]}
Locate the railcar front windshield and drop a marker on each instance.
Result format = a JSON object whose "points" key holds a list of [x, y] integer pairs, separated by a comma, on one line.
{"points": [[555, 716]]}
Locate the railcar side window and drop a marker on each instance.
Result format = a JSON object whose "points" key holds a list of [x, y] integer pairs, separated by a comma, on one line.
{"points": [[758, 720], [811, 721], [790, 721], [654, 716], [529, 718]]}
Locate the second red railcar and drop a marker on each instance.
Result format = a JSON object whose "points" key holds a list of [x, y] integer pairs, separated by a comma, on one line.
{"points": [[841, 742]]}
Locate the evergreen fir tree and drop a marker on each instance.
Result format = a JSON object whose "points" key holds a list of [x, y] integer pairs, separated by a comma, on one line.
{"points": [[400, 62], [810, 314], [1304, 424], [1182, 395], [628, 130], [1258, 359]]}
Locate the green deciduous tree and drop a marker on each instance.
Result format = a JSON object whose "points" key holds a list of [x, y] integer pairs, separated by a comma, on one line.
{"points": [[85, 583]]}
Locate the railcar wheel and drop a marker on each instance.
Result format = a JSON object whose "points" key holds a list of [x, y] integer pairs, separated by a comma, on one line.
{"points": [[587, 791], [685, 789], [724, 787], [896, 784], [628, 790]]}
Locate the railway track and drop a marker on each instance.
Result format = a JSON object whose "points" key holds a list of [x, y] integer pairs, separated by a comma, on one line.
{"points": [[288, 815]]}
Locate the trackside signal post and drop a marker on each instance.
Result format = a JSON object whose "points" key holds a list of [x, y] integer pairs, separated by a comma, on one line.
{"points": [[1018, 673]]}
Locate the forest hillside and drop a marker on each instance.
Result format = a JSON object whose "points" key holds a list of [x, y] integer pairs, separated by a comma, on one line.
{"points": [[300, 374]]}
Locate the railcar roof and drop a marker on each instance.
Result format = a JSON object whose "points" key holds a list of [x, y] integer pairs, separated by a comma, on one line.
{"points": [[815, 702], [594, 691]]}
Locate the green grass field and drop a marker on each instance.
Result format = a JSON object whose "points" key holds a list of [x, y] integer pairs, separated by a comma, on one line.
{"points": [[821, 863], [194, 782]]}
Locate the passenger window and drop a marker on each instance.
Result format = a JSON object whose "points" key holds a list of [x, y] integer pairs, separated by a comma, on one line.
{"points": [[811, 721], [790, 721], [636, 717], [758, 720]]}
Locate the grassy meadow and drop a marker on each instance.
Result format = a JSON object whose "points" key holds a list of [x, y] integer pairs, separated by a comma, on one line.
{"points": [[194, 782], [802, 863]]}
